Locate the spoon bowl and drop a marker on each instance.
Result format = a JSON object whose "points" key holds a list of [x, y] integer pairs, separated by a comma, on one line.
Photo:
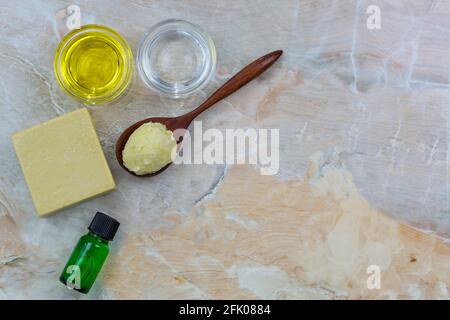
{"points": [[243, 77]]}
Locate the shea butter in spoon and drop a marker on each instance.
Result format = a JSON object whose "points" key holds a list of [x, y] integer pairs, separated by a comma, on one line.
{"points": [[143, 160], [149, 148]]}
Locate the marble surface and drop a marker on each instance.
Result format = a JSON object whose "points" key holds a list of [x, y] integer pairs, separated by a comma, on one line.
{"points": [[364, 165]]}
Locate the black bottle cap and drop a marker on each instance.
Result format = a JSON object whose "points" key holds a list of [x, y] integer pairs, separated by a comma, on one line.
{"points": [[104, 226]]}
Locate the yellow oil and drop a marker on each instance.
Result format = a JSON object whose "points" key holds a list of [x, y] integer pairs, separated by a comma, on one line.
{"points": [[94, 64]]}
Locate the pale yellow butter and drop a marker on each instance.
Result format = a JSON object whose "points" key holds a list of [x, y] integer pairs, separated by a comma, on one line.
{"points": [[63, 162], [149, 148]]}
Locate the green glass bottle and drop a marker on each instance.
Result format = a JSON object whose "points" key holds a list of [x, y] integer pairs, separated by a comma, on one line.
{"points": [[90, 254]]}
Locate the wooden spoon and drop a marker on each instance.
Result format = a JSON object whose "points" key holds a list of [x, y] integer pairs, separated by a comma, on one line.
{"points": [[243, 77]]}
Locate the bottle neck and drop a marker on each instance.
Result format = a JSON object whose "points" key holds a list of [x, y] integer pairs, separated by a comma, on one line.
{"points": [[97, 237]]}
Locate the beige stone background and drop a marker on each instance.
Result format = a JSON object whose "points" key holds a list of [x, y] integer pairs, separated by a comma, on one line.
{"points": [[364, 169]]}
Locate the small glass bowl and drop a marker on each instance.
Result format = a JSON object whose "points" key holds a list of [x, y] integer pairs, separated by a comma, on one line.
{"points": [[93, 64], [176, 58]]}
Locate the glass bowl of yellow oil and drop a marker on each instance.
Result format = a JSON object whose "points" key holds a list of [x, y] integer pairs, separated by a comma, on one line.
{"points": [[94, 64]]}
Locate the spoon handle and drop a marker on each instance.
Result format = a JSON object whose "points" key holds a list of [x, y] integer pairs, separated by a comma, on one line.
{"points": [[240, 79]]}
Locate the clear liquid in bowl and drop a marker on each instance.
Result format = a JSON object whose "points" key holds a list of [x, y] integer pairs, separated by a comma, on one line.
{"points": [[176, 58]]}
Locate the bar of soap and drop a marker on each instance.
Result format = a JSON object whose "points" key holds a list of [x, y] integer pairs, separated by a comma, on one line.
{"points": [[63, 162]]}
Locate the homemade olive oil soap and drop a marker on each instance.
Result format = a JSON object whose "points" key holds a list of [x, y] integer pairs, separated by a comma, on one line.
{"points": [[63, 162]]}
